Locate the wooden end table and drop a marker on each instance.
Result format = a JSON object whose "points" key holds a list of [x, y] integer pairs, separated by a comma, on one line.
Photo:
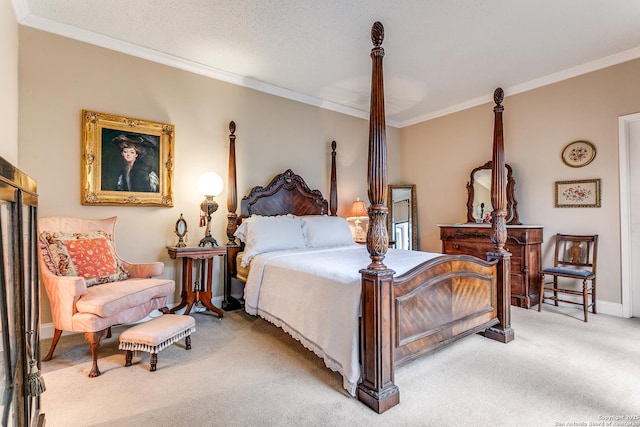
{"points": [[200, 290]]}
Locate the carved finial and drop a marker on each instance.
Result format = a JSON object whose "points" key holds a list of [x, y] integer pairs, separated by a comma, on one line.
{"points": [[498, 96], [377, 34], [333, 145], [232, 126]]}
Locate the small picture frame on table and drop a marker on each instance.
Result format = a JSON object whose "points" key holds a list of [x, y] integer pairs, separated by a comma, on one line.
{"points": [[577, 194]]}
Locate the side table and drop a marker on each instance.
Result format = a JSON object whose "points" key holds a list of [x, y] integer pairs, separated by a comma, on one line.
{"points": [[201, 289]]}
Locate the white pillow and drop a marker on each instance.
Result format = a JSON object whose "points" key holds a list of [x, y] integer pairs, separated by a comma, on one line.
{"points": [[271, 233], [322, 231], [241, 231]]}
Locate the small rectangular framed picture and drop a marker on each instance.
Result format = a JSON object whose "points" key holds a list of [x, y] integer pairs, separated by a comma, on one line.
{"points": [[578, 194], [126, 161]]}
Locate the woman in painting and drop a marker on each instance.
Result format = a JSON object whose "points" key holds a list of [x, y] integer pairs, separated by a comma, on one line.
{"points": [[137, 175]]}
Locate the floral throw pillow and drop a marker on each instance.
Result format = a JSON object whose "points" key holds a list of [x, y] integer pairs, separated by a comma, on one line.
{"points": [[88, 255]]}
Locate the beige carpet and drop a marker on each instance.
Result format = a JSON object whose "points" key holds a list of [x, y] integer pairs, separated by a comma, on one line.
{"points": [[242, 371]]}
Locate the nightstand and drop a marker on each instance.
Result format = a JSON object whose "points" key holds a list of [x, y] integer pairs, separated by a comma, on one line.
{"points": [[200, 290]]}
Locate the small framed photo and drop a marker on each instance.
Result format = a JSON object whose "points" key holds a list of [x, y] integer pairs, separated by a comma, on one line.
{"points": [[126, 161], [578, 194], [578, 153]]}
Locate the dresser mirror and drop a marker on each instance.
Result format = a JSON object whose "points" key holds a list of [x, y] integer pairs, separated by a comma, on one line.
{"points": [[479, 191], [402, 219]]}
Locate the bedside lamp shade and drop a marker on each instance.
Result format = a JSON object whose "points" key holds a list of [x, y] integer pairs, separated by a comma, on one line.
{"points": [[358, 209], [209, 184]]}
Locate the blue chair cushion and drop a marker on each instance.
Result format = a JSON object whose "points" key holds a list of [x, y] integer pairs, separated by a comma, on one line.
{"points": [[569, 272]]}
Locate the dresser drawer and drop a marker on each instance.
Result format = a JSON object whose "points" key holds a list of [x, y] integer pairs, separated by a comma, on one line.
{"points": [[516, 264], [463, 247], [466, 247]]}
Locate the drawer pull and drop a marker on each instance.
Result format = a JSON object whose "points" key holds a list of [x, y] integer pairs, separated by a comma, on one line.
{"points": [[456, 246]]}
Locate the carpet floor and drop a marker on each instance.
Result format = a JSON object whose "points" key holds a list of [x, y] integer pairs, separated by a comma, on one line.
{"points": [[243, 371]]}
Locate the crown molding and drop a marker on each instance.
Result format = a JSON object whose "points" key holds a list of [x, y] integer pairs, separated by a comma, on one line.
{"points": [[598, 64], [27, 19]]}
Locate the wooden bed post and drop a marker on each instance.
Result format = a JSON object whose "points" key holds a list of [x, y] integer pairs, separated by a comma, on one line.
{"points": [[502, 331], [377, 389], [233, 247], [333, 193], [232, 192]]}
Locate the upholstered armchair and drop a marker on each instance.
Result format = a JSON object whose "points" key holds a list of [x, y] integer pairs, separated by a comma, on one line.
{"points": [[90, 287]]}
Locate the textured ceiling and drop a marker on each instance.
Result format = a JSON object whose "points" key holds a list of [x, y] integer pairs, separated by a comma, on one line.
{"points": [[441, 56]]}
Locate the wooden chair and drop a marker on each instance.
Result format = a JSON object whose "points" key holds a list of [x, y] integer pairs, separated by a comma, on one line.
{"points": [[575, 258]]}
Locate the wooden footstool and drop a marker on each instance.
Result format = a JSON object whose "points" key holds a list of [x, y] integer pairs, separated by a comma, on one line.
{"points": [[155, 335]]}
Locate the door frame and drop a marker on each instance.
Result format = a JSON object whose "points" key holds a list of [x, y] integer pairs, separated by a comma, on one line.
{"points": [[626, 246]]}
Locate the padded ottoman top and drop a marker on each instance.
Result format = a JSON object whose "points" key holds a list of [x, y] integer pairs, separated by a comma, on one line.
{"points": [[158, 330]]}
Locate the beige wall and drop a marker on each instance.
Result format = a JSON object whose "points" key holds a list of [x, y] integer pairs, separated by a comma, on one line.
{"points": [[537, 125], [9, 83], [59, 77]]}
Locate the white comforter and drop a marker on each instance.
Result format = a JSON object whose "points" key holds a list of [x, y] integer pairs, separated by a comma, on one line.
{"points": [[314, 295]]}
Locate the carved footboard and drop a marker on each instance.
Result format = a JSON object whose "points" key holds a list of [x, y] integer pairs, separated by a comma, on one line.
{"points": [[440, 301]]}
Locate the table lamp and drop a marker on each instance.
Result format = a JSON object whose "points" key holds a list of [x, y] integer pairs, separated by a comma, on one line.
{"points": [[209, 185], [357, 213]]}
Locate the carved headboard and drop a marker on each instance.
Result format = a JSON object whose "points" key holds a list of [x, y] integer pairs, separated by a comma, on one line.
{"points": [[287, 193]]}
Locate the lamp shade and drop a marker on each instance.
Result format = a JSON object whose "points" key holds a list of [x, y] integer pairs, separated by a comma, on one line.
{"points": [[358, 209], [210, 184]]}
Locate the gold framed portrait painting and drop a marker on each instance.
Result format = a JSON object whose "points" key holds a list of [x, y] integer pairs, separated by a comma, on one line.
{"points": [[126, 161]]}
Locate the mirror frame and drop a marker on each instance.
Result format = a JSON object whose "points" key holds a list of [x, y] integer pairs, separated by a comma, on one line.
{"points": [[414, 211], [512, 204]]}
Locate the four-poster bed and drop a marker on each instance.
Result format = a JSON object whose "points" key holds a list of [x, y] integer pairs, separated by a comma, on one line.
{"points": [[417, 304]]}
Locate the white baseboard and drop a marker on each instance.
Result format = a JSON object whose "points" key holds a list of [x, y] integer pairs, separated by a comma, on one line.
{"points": [[602, 307], [47, 329], [610, 308]]}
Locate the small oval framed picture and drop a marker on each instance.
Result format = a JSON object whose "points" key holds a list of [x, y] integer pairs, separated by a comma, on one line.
{"points": [[181, 231], [578, 153]]}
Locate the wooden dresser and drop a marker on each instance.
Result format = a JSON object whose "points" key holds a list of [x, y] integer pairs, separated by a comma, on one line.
{"points": [[523, 241]]}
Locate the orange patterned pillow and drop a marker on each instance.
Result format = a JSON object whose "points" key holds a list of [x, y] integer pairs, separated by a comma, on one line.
{"points": [[88, 255]]}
